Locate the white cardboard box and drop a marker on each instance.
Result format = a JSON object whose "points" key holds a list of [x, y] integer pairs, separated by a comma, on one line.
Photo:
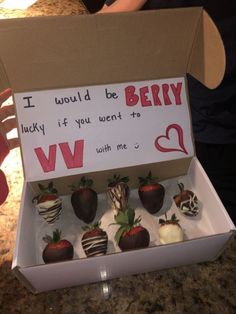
{"points": [[93, 60]]}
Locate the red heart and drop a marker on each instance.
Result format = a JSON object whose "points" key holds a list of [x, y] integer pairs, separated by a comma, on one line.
{"points": [[180, 146]]}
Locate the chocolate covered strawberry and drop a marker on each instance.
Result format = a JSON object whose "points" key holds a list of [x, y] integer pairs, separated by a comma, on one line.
{"points": [[186, 201], [57, 249], [118, 192], [151, 193], [170, 230], [48, 203], [94, 240], [84, 200], [130, 235]]}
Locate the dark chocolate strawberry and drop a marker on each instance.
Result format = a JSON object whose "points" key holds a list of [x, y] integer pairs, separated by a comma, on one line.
{"points": [[131, 235], [118, 192], [57, 249], [84, 200], [94, 240], [170, 230], [151, 193], [48, 203], [186, 201]]}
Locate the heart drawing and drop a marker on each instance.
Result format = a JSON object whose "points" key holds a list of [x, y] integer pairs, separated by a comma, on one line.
{"points": [[172, 141]]}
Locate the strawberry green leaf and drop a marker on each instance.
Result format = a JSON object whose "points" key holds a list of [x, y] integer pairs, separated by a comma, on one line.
{"points": [[83, 183], [47, 239], [41, 187], [56, 236], [181, 186], [86, 228], [89, 183], [44, 190], [173, 217], [118, 234], [149, 179], [121, 218], [96, 225], [125, 179], [131, 215], [116, 179], [54, 191]]}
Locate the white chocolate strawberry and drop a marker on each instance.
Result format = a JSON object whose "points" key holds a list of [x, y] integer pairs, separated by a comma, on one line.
{"points": [[48, 203], [170, 230]]}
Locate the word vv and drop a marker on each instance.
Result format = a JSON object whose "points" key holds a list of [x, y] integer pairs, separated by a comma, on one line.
{"points": [[72, 159]]}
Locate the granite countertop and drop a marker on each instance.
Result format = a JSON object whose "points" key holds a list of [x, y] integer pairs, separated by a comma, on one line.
{"points": [[41, 8], [204, 288]]}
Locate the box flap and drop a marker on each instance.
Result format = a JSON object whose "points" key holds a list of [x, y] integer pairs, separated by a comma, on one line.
{"points": [[207, 58], [66, 51], [4, 83]]}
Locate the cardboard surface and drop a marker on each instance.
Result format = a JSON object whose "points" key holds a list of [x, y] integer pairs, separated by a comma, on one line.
{"points": [[4, 83], [60, 52], [165, 170], [207, 59], [108, 51]]}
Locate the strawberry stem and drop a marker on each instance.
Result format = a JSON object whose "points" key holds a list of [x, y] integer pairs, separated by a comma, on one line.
{"points": [[45, 190], [83, 183], [96, 225], [116, 179], [172, 220], [149, 179], [181, 186], [126, 220], [56, 237]]}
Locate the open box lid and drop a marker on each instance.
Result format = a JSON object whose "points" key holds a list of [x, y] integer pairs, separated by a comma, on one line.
{"points": [[58, 56]]}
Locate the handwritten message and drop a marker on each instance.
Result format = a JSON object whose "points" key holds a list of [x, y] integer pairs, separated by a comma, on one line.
{"points": [[93, 128]]}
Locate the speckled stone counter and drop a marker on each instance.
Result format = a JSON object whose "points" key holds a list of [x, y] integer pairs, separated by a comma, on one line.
{"points": [[204, 288], [44, 8]]}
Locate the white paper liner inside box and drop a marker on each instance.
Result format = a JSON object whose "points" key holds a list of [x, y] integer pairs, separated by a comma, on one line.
{"points": [[71, 226]]}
